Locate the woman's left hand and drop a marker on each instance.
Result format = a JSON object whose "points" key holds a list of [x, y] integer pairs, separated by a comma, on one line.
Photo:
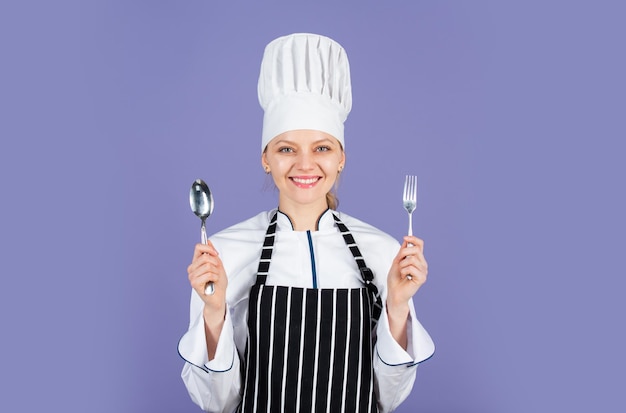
{"points": [[406, 276], [408, 272]]}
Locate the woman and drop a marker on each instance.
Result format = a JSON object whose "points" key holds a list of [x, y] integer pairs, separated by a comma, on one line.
{"points": [[312, 309]]}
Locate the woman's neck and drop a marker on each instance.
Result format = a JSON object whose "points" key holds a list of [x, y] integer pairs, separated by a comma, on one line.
{"points": [[303, 217]]}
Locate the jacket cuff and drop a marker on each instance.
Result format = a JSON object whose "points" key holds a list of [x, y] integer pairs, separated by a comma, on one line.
{"points": [[192, 346], [420, 346]]}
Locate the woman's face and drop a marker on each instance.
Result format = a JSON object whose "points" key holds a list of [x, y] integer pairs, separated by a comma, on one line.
{"points": [[304, 165]]}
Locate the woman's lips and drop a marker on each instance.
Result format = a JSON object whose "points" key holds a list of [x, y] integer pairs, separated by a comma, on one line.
{"points": [[305, 181]]}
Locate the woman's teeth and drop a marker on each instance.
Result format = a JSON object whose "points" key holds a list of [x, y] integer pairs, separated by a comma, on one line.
{"points": [[306, 181]]}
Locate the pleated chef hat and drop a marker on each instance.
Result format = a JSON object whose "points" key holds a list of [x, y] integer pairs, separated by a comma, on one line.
{"points": [[304, 84]]}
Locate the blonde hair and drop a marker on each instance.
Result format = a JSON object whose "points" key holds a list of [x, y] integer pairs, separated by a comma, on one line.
{"points": [[332, 201]]}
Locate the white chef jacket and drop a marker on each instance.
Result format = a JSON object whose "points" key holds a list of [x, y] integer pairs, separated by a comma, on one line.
{"points": [[216, 385]]}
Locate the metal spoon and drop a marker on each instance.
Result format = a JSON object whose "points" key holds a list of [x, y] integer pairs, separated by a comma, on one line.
{"points": [[201, 202]]}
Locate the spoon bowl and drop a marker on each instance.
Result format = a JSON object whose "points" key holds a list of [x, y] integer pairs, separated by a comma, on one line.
{"points": [[201, 202]]}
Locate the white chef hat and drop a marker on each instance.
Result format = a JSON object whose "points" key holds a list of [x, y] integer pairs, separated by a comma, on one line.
{"points": [[304, 84]]}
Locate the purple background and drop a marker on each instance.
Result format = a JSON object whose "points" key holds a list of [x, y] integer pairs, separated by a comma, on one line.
{"points": [[511, 113]]}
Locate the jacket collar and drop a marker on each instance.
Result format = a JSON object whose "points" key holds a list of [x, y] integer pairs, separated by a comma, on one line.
{"points": [[324, 222]]}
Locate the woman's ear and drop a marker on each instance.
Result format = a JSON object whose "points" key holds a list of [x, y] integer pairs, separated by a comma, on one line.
{"points": [[264, 164]]}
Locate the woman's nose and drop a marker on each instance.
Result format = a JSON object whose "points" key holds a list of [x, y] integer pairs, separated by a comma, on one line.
{"points": [[305, 161]]}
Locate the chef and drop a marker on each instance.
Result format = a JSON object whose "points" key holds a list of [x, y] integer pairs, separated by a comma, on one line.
{"points": [[312, 309]]}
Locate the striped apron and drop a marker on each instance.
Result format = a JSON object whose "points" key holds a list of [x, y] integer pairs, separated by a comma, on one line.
{"points": [[309, 349]]}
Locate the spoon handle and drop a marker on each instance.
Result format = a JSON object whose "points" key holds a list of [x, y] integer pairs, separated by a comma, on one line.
{"points": [[209, 289], [203, 233]]}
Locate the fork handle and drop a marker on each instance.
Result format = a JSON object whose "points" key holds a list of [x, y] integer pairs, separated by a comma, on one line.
{"points": [[410, 228], [409, 277]]}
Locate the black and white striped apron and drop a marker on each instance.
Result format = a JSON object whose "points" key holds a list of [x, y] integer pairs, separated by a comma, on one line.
{"points": [[309, 349]]}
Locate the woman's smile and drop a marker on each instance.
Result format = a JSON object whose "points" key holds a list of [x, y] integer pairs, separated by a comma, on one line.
{"points": [[305, 181]]}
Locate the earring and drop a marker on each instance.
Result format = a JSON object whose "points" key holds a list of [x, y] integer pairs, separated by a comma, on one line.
{"points": [[267, 169]]}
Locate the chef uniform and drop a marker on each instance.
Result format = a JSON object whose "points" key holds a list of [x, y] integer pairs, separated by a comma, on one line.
{"points": [[306, 327]]}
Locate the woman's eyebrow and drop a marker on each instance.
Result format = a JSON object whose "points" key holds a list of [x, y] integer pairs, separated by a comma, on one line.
{"points": [[284, 141], [323, 140]]}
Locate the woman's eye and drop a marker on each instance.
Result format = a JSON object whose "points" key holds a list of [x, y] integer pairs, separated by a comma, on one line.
{"points": [[323, 148], [285, 150]]}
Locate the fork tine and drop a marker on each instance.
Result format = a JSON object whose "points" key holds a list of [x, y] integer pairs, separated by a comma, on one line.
{"points": [[410, 188], [405, 194]]}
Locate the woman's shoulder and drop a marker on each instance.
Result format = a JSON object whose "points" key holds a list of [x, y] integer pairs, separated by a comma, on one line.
{"points": [[377, 247], [259, 221], [252, 229], [366, 232]]}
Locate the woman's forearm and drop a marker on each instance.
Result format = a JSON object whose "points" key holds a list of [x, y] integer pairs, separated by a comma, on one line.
{"points": [[398, 316], [213, 325]]}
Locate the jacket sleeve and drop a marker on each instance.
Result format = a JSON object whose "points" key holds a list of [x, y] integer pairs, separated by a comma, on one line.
{"points": [[395, 368], [213, 385]]}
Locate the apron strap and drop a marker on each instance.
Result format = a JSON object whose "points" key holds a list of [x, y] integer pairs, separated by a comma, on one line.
{"points": [[366, 273], [266, 252]]}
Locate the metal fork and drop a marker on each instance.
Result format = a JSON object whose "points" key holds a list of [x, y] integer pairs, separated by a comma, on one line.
{"points": [[409, 198]]}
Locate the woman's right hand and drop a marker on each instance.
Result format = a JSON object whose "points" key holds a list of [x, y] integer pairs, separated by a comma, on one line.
{"points": [[205, 267]]}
